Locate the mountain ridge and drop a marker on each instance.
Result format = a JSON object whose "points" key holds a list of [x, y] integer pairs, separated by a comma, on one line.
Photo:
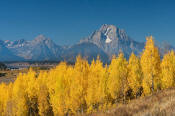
{"points": [[105, 42], [113, 39]]}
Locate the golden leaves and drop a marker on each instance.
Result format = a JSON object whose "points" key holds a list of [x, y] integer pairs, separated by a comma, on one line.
{"points": [[86, 88]]}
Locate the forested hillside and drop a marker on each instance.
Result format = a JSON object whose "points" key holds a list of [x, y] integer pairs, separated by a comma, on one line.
{"points": [[85, 88]]}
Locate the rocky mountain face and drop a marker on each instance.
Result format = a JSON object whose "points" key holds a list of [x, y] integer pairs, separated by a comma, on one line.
{"points": [[41, 48], [105, 42], [112, 40], [87, 50], [6, 54]]}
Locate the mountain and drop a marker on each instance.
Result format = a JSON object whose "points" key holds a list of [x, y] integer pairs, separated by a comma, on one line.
{"points": [[105, 42], [88, 51], [6, 54], [164, 48], [112, 40], [41, 48]]}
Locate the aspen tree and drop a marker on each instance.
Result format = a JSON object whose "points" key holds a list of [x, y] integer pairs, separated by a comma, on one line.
{"points": [[117, 81], [96, 85], [86, 88], [134, 74], [168, 70], [79, 85], [31, 92], [20, 107], [3, 99], [44, 105], [56, 88], [8, 100], [69, 101], [150, 63]]}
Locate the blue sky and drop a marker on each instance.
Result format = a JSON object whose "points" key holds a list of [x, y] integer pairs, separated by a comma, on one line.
{"points": [[67, 21]]}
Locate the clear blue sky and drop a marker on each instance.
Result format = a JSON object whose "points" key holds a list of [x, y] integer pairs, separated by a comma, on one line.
{"points": [[67, 21]]}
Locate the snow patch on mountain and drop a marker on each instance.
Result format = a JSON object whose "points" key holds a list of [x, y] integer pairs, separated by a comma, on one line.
{"points": [[108, 40]]}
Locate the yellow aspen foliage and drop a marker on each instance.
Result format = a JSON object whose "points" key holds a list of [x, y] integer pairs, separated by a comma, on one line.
{"points": [[96, 85], [56, 89], [150, 63], [69, 102], [78, 89], [8, 100], [117, 81], [86, 88], [4, 99], [134, 74], [25, 94], [44, 105], [103, 89], [19, 94], [168, 70], [31, 92]]}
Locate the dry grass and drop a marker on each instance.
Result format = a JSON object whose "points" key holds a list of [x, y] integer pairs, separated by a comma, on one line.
{"points": [[161, 103]]}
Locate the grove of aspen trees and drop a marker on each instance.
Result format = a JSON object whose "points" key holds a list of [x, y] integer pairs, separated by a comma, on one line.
{"points": [[85, 88]]}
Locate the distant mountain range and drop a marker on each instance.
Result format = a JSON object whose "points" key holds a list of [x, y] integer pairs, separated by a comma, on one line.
{"points": [[105, 42]]}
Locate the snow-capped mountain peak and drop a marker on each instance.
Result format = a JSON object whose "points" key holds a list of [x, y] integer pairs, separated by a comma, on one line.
{"points": [[112, 39]]}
